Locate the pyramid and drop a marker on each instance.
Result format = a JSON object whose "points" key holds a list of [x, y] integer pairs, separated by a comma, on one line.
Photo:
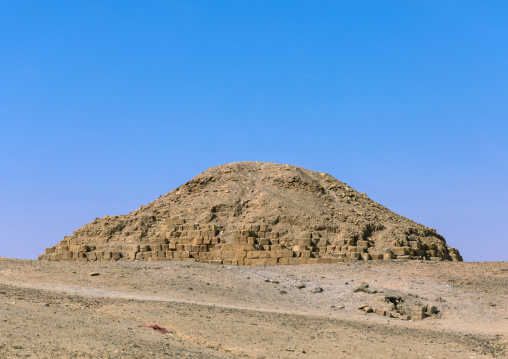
{"points": [[256, 213]]}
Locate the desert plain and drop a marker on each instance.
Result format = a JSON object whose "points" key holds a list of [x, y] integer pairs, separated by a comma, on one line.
{"points": [[105, 310]]}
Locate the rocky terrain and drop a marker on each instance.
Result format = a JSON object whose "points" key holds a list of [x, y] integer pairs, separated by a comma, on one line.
{"points": [[55, 309], [253, 213]]}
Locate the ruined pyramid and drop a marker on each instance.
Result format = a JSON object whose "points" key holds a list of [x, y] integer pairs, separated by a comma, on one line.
{"points": [[254, 213]]}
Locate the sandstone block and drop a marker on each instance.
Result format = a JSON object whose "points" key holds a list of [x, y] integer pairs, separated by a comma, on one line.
{"points": [[262, 262], [271, 261], [283, 261], [238, 262], [387, 256], [295, 261], [240, 254], [304, 242], [323, 260]]}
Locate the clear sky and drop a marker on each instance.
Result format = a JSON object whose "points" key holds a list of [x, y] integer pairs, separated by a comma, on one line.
{"points": [[105, 105]]}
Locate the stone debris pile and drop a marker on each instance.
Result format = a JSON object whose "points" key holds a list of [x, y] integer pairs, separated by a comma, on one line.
{"points": [[396, 307]]}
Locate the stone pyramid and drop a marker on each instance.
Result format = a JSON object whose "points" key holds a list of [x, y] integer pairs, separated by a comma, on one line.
{"points": [[254, 213]]}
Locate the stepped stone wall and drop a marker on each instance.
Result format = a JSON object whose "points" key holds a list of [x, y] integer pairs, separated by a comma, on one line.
{"points": [[256, 245]]}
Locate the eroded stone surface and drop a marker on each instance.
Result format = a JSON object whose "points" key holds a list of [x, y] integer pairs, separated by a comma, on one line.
{"points": [[253, 213]]}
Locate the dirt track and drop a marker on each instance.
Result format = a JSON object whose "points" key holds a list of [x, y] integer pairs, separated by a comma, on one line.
{"points": [[56, 309]]}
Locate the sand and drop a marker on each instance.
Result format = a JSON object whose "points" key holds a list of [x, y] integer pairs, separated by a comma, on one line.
{"points": [[58, 310]]}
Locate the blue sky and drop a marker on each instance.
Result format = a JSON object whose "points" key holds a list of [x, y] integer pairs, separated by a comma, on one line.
{"points": [[104, 106]]}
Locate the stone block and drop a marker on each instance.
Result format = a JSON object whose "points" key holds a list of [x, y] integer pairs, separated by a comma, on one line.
{"points": [[215, 261], [271, 261], [311, 261], [305, 242], [353, 255], [238, 262], [228, 254], [50, 250], [92, 256], [363, 243], [295, 261], [387, 256], [264, 241], [323, 260], [239, 240], [227, 247], [366, 256], [240, 254], [262, 262], [305, 254], [216, 255], [283, 261]]}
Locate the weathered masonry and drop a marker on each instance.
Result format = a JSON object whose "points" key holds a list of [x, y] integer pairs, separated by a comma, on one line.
{"points": [[251, 245]]}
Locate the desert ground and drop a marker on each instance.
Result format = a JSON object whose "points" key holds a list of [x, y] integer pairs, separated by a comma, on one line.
{"points": [[60, 310]]}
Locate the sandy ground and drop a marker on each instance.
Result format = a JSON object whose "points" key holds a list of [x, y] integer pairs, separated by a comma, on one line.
{"points": [[57, 310]]}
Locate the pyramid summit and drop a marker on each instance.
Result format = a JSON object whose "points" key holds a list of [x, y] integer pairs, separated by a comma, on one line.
{"points": [[256, 213]]}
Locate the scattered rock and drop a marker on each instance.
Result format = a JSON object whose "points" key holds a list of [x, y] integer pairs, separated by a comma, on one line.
{"points": [[364, 287], [317, 290], [491, 304], [94, 274]]}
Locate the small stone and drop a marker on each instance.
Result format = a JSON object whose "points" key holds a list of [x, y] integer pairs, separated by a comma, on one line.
{"points": [[341, 307], [491, 304], [283, 292], [368, 309], [16, 346], [432, 310], [364, 287], [300, 286], [317, 290], [94, 274]]}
